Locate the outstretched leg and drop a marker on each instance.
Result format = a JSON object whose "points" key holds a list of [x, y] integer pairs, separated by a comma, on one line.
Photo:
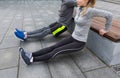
{"points": [[68, 48], [66, 45], [40, 33]]}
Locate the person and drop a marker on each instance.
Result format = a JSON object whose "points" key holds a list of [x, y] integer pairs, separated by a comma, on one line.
{"points": [[75, 42], [65, 22]]}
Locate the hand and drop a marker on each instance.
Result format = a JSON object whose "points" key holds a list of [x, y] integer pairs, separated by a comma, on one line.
{"points": [[102, 32]]}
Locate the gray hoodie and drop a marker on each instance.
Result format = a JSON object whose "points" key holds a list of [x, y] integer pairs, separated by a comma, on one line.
{"points": [[66, 12], [83, 23]]}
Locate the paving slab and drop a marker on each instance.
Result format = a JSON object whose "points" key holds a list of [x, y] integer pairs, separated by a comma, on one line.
{"points": [[113, 8], [9, 73], [102, 73], [86, 60], [31, 45], [9, 57], [64, 67], [38, 70], [9, 42]]}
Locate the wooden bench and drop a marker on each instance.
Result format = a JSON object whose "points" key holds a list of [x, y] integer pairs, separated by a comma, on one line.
{"points": [[106, 47]]}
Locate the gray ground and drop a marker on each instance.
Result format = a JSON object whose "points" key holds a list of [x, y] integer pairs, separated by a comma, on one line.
{"points": [[30, 15]]}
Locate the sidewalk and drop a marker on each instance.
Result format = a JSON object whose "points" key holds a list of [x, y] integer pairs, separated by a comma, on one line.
{"points": [[30, 15]]}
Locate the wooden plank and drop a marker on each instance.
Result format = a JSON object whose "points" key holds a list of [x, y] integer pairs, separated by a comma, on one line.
{"points": [[113, 33]]}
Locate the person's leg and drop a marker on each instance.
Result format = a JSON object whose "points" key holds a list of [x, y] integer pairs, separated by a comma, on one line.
{"points": [[37, 31], [42, 29], [43, 32], [58, 29], [27, 57], [68, 48], [55, 29], [40, 33], [51, 48]]}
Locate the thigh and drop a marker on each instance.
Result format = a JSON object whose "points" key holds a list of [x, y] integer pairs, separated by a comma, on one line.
{"points": [[55, 26], [68, 48], [63, 42], [74, 46], [51, 48]]}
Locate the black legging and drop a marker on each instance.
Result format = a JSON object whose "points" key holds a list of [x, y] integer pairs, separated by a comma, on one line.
{"points": [[66, 45], [41, 33]]}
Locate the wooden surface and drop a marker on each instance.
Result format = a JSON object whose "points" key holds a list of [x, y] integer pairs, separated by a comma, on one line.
{"points": [[114, 32]]}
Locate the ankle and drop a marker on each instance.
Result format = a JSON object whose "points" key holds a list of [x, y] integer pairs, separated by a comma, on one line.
{"points": [[25, 33], [31, 60]]}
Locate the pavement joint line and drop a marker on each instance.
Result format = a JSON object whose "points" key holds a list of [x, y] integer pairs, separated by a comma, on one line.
{"points": [[8, 68], [31, 14], [95, 69], [9, 47], [40, 41], [87, 70], [5, 33], [34, 20], [97, 57], [101, 68], [9, 27], [38, 11], [49, 70], [91, 69], [77, 66], [18, 69]]}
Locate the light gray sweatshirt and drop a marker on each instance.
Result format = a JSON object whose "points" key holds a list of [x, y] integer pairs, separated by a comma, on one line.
{"points": [[83, 23]]}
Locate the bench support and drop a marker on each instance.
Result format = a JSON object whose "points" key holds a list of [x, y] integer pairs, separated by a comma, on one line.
{"points": [[104, 48]]}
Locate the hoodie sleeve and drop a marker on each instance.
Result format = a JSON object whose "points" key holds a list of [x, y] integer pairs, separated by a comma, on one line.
{"points": [[70, 3], [102, 13]]}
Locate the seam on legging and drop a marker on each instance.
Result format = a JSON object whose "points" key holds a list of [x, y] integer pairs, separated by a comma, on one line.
{"points": [[62, 51]]}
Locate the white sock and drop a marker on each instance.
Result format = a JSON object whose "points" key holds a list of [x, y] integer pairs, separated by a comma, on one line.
{"points": [[31, 60], [25, 33]]}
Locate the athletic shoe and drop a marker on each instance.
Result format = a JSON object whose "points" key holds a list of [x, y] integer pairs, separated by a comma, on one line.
{"points": [[24, 56], [21, 36]]}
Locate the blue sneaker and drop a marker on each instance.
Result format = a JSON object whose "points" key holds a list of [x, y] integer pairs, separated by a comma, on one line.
{"points": [[21, 36], [20, 31], [24, 56]]}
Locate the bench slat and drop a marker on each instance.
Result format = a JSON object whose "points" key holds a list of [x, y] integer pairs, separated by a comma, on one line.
{"points": [[114, 32]]}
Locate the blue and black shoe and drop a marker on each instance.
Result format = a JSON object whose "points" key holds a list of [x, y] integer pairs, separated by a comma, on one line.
{"points": [[21, 36], [24, 56], [20, 31]]}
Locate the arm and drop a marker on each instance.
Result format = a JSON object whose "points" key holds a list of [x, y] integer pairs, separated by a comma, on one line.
{"points": [[105, 14], [74, 12], [70, 3]]}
